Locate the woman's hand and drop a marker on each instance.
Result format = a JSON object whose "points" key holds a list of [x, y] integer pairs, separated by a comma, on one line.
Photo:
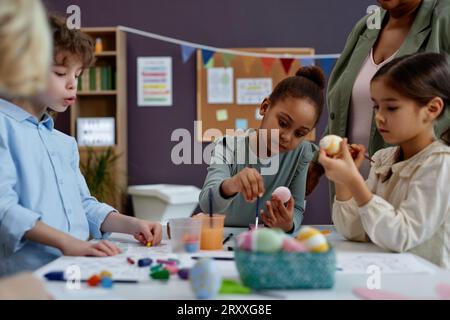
{"points": [[277, 215], [76, 247], [248, 181]]}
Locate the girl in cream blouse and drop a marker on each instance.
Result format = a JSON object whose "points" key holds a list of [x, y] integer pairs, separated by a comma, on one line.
{"points": [[405, 203]]}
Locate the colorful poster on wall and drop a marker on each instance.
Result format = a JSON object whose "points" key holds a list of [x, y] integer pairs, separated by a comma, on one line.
{"points": [[253, 90], [154, 81], [220, 85]]}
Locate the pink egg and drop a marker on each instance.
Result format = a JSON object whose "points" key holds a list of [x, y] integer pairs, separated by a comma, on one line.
{"points": [[292, 245], [283, 193], [245, 241]]}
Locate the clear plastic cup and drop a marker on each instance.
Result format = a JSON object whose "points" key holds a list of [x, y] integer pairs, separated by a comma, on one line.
{"points": [[212, 231], [185, 234]]}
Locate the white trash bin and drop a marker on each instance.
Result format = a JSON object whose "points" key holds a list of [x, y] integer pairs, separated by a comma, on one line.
{"points": [[161, 202]]}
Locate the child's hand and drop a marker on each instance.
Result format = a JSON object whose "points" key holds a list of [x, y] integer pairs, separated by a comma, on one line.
{"points": [[357, 152], [341, 168], [249, 182], [146, 231], [76, 247], [277, 215]]}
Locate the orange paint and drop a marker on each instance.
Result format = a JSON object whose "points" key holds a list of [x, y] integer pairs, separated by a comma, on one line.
{"points": [[211, 239]]}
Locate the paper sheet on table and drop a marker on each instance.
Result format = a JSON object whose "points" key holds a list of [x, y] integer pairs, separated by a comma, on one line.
{"points": [[117, 265], [362, 263]]}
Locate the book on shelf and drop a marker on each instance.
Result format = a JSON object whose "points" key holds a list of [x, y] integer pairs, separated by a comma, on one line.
{"points": [[97, 79]]}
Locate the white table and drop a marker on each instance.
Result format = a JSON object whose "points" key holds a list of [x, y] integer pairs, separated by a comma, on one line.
{"points": [[417, 285]]}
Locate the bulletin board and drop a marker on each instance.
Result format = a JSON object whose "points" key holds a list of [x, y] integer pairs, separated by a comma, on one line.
{"points": [[225, 115]]}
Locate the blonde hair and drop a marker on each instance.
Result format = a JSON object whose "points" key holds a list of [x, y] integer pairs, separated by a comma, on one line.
{"points": [[25, 48]]}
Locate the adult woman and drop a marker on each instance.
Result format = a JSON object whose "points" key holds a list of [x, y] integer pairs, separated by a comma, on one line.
{"points": [[408, 26]]}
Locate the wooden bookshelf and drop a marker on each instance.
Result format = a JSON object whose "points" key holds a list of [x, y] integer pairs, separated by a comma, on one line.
{"points": [[106, 53], [97, 93], [108, 103]]}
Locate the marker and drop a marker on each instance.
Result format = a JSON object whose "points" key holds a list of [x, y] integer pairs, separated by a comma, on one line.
{"points": [[227, 238], [216, 258], [167, 262], [145, 262], [119, 281], [62, 279]]}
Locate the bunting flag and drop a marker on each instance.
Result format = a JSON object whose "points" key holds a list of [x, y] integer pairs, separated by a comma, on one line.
{"points": [[186, 52], [210, 63], [227, 58], [248, 63], [287, 63], [267, 65], [327, 65], [207, 55], [327, 61], [307, 62]]}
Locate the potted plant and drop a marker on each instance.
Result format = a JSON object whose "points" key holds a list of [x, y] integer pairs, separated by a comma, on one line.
{"points": [[98, 170]]}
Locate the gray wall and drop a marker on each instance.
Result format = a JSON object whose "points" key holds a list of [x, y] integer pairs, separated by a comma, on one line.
{"points": [[321, 24]]}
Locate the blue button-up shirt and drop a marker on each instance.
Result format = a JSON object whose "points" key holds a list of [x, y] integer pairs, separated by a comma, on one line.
{"points": [[40, 179]]}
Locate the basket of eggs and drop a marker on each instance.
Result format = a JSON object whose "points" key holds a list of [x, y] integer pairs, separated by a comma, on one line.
{"points": [[270, 259]]}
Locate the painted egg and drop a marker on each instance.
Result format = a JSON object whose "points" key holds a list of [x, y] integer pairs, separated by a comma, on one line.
{"points": [[268, 240], [313, 239], [293, 245], [282, 193], [331, 144], [205, 279], [245, 241]]}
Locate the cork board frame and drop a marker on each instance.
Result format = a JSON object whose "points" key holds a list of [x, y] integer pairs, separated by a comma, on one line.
{"points": [[243, 67]]}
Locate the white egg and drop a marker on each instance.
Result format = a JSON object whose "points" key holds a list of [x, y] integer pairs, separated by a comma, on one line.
{"points": [[283, 193]]}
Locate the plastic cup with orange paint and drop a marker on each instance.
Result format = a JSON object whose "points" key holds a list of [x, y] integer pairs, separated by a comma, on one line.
{"points": [[212, 231]]}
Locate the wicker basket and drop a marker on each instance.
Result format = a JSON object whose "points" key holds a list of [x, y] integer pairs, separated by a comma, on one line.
{"points": [[286, 270]]}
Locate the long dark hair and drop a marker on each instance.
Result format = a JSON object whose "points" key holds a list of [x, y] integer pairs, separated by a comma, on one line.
{"points": [[420, 77]]}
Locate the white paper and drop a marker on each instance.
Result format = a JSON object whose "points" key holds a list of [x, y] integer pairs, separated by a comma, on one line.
{"points": [[95, 131], [362, 263], [117, 265], [220, 85], [154, 81], [253, 90]]}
